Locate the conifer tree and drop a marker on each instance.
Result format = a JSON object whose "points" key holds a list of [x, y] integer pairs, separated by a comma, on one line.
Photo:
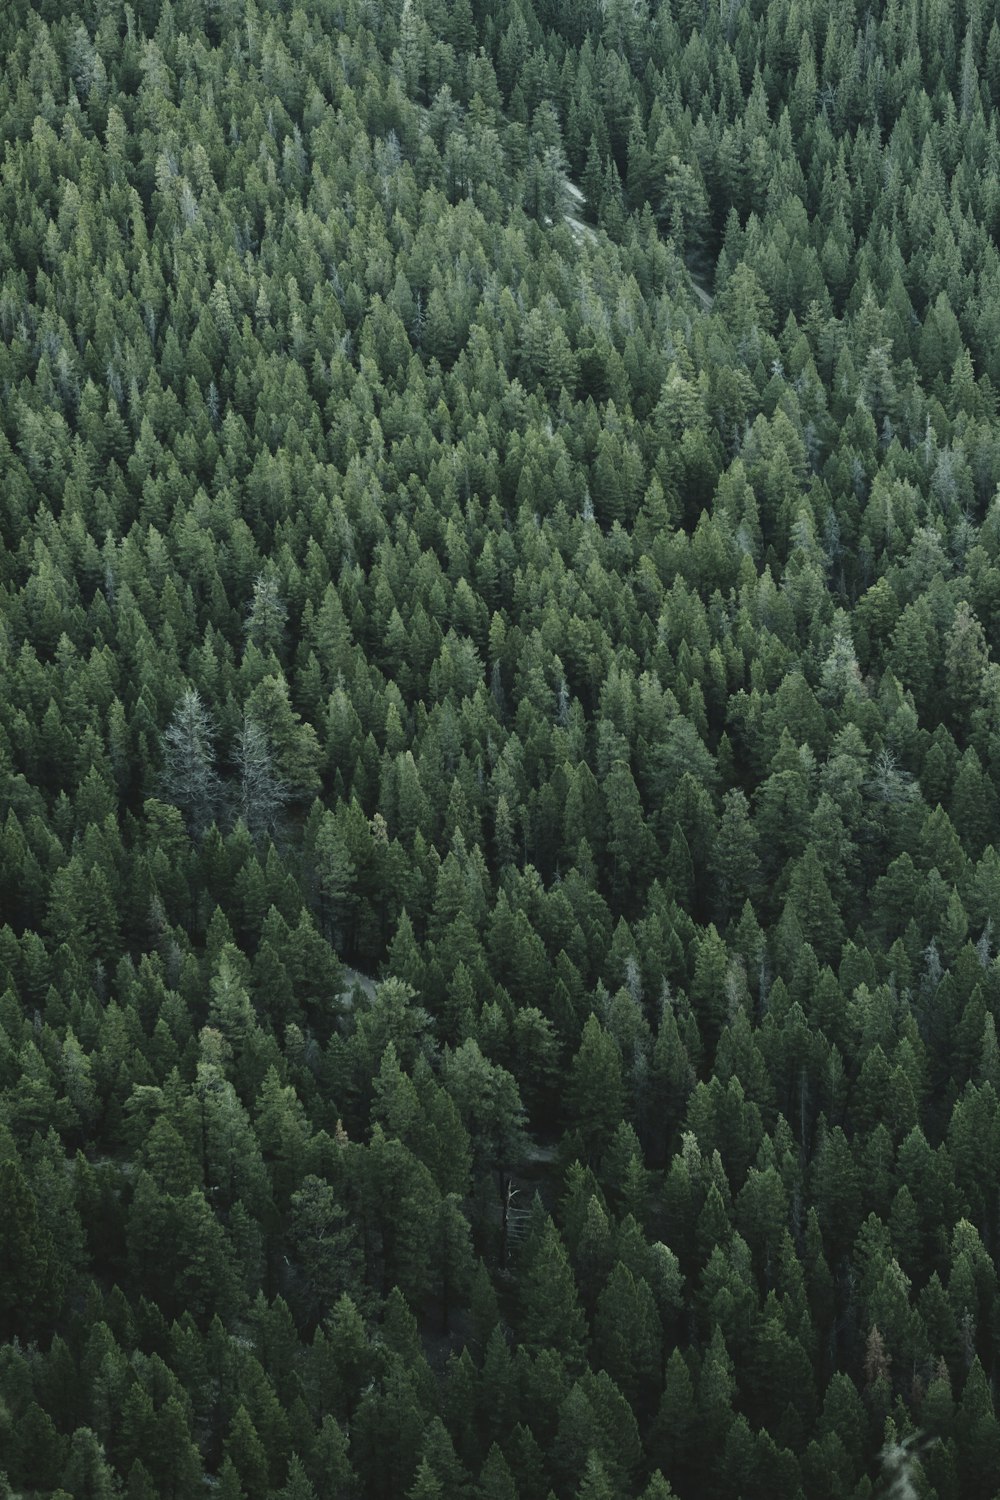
{"points": [[190, 780]]}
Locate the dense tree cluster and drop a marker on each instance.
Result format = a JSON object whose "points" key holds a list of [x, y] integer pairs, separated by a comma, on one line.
{"points": [[499, 749]]}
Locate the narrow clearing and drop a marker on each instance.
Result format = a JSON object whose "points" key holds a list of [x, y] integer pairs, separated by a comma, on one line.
{"points": [[581, 232], [705, 298]]}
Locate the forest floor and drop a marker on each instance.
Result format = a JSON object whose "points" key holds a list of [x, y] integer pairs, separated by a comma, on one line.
{"points": [[705, 298], [582, 231], [354, 979], [578, 228]]}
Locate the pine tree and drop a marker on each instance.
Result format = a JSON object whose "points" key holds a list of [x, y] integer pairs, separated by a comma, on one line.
{"points": [[30, 1274], [298, 1485], [595, 1484], [261, 794], [330, 1469], [735, 862], [266, 616], [246, 1452], [595, 1097], [496, 1482], [630, 843], [426, 1485], [87, 1470], [189, 777], [325, 1245], [627, 1335], [549, 1313]]}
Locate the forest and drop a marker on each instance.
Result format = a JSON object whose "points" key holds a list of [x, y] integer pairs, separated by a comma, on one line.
{"points": [[499, 749]]}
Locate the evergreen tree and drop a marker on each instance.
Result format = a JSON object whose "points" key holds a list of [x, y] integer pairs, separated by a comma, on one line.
{"points": [[261, 794], [190, 780], [549, 1313], [31, 1272]]}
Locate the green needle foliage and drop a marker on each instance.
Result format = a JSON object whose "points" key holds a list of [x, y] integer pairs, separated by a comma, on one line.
{"points": [[499, 749]]}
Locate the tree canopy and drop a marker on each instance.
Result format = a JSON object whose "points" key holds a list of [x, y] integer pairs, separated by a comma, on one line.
{"points": [[499, 749]]}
